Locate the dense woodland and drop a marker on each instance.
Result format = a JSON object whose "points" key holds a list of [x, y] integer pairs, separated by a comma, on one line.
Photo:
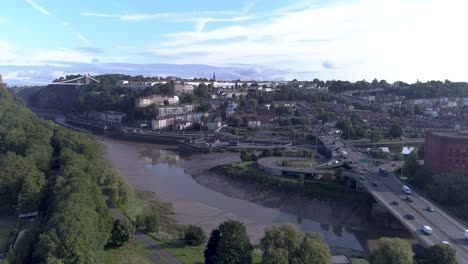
{"points": [[60, 174]]}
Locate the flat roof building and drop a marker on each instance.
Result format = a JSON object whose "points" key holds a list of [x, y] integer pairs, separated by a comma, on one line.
{"points": [[446, 152]]}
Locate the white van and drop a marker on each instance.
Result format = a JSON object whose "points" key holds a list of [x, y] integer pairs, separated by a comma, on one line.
{"points": [[466, 233], [427, 229], [406, 189]]}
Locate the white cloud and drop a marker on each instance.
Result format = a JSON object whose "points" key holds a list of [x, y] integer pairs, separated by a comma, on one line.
{"points": [[83, 39], [41, 9], [392, 39]]}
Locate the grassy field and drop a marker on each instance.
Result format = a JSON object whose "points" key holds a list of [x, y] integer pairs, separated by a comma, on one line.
{"points": [[133, 252], [299, 163], [359, 261]]}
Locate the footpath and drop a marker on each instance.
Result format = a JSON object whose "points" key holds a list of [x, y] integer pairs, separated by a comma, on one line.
{"points": [[160, 255]]}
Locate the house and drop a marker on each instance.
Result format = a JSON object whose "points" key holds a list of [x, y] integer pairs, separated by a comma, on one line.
{"points": [[136, 85], [163, 111], [112, 116], [213, 125], [160, 123], [254, 123], [231, 108], [155, 99], [180, 88]]}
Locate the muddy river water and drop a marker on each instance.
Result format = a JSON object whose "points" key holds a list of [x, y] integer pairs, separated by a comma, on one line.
{"points": [[161, 169]]}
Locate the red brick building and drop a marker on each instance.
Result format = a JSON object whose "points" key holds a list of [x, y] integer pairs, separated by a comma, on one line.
{"points": [[446, 152]]}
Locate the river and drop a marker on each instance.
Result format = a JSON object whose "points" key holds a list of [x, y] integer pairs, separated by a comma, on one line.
{"points": [[160, 169]]}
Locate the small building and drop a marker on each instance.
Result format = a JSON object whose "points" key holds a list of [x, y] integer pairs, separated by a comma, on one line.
{"points": [[254, 123], [112, 116], [180, 88], [163, 111], [155, 99], [160, 123], [213, 125]]}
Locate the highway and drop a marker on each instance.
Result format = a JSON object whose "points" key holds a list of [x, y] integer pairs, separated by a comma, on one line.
{"points": [[445, 226]]}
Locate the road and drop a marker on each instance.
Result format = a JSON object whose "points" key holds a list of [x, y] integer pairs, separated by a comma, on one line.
{"points": [[445, 226]]}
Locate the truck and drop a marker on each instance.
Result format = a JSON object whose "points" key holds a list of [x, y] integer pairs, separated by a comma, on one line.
{"points": [[383, 172], [406, 189], [344, 154]]}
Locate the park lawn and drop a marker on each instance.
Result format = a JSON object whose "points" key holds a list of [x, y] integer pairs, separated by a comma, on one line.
{"points": [[133, 252], [300, 163], [359, 261], [192, 255]]}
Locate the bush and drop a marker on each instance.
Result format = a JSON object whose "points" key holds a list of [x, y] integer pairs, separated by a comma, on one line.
{"points": [[267, 153], [194, 236], [148, 222], [122, 232]]}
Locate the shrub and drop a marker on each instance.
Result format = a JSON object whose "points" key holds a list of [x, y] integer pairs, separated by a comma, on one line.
{"points": [[122, 232], [194, 236]]}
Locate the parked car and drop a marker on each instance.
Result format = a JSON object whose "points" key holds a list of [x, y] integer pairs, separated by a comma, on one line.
{"points": [[395, 202], [409, 199], [429, 209], [409, 216], [446, 243]]}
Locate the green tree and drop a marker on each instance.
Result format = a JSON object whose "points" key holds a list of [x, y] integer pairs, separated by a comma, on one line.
{"points": [[267, 153], [441, 254], [285, 244], [122, 232], [233, 245], [194, 236], [237, 121], [391, 251], [148, 222], [375, 137], [202, 91], [212, 248], [396, 131], [339, 175]]}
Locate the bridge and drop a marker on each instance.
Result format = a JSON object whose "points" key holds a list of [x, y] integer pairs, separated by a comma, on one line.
{"points": [[82, 80], [272, 165], [445, 226]]}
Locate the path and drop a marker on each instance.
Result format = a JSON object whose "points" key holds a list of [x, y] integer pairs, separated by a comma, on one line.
{"points": [[160, 255]]}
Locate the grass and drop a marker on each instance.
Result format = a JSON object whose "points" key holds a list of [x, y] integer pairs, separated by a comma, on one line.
{"points": [[359, 261], [299, 163], [133, 252]]}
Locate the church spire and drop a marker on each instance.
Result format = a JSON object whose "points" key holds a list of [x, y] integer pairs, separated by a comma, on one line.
{"points": [[214, 76]]}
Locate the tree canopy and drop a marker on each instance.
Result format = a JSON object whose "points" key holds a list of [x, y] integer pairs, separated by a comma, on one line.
{"points": [[391, 251], [441, 254]]}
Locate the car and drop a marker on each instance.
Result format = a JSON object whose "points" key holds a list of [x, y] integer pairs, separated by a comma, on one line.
{"points": [[395, 202], [427, 229], [362, 178], [429, 209], [375, 184], [446, 243], [409, 216], [409, 199]]}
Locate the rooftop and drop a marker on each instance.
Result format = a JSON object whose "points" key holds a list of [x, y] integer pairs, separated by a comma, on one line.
{"points": [[451, 134]]}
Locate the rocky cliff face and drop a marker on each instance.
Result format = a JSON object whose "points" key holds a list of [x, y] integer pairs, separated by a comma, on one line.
{"points": [[62, 97]]}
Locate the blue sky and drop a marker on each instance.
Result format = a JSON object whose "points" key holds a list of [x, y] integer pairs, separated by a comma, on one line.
{"points": [[252, 39]]}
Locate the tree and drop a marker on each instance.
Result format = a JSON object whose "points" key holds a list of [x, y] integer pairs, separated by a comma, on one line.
{"points": [[267, 153], [122, 232], [375, 137], [148, 222], [202, 91], [339, 175], [212, 248], [166, 102], [396, 131], [194, 236], [237, 121], [285, 244], [441, 254], [391, 251], [233, 245]]}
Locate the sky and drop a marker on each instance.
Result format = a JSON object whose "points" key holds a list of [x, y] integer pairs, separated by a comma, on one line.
{"points": [[406, 40]]}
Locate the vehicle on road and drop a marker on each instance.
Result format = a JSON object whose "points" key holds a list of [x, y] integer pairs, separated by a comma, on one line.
{"points": [[383, 172], [429, 209], [427, 229], [395, 202], [409, 199], [409, 216], [375, 184], [466, 233], [406, 189], [344, 154], [446, 243], [362, 178]]}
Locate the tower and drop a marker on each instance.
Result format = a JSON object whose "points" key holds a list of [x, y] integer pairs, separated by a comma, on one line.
{"points": [[214, 76]]}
